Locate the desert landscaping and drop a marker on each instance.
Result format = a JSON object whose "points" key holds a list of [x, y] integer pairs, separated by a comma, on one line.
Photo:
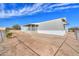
{"points": [[36, 44]]}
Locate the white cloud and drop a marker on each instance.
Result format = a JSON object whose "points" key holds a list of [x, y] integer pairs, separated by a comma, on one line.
{"points": [[28, 10], [35, 8], [67, 7]]}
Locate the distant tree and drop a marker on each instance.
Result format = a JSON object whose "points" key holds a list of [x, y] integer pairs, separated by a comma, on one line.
{"points": [[16, 27], [73, 29]]}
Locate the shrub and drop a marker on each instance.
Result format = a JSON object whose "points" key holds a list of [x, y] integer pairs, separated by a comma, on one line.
{"points": [[9, 34]]}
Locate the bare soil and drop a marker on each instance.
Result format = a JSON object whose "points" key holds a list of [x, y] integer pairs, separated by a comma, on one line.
{"points": [[36, 44]]}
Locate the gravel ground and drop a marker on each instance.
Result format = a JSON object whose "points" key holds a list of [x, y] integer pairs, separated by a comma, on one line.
{"points": [[35, 44]]}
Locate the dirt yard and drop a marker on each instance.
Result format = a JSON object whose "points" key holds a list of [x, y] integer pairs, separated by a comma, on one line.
{"points": [[36, 44]]}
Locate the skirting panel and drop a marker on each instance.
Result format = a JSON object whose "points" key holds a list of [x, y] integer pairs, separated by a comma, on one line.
{"points": [[58, 32]]}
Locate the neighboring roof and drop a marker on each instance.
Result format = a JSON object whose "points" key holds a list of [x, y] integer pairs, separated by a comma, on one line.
{"points": [[2, 28]]}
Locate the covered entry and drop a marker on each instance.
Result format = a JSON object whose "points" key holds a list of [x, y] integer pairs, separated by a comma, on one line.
{"points": [[32, 27]]}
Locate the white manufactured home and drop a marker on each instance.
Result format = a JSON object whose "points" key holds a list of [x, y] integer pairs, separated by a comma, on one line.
{"points": [[56, 27]]}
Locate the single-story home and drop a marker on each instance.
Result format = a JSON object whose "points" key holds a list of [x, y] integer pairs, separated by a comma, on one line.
{"points": [[56, 27]]}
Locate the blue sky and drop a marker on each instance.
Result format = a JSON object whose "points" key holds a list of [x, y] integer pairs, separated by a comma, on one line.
{"points": [[24, 13]]}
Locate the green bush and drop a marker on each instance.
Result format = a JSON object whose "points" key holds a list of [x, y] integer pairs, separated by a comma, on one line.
{"points": [[9, 34]]}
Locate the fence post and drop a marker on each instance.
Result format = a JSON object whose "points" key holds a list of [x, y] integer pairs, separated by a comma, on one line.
{"points": [[1, 36], [77, 34]]}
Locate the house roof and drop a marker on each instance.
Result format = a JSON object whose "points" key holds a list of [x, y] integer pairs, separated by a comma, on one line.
{"points": [[61, 19]]}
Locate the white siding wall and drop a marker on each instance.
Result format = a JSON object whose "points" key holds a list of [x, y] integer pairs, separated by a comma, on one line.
{"points": [[52, 27]]}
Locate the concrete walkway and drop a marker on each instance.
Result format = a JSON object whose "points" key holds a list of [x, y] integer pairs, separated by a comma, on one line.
{"points": [[34, 44]]}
